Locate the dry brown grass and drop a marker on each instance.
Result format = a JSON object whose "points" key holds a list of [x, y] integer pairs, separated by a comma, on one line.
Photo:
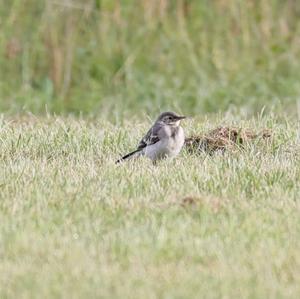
{"points": [[222, 139]]}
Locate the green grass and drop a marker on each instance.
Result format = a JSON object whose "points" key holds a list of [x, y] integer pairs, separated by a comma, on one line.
{"points": [[75, 225], [109, 56]]}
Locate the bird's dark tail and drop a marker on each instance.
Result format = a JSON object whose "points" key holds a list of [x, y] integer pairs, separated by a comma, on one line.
{"points": [[130, 155]]}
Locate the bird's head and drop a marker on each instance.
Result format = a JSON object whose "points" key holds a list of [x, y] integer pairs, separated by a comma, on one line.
{"points": [[170, 118]]}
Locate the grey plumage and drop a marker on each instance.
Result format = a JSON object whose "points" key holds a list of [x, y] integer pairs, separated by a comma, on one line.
{"points": [[164, 139]]}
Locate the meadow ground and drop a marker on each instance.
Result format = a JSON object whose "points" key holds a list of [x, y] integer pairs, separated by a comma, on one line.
{"points": [[75, 225]]}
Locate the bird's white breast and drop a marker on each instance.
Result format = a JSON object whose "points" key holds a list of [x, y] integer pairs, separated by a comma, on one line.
{"points": [[175, 143]]}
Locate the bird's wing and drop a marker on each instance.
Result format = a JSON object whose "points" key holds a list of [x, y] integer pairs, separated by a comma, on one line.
{"points": [[150, 138]]}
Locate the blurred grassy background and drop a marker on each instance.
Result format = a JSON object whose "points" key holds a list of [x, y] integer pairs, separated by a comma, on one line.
{"points": [[104, 57]]}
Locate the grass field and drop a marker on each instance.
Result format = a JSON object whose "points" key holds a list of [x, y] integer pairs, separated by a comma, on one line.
{"points": [[79, 82], [105, 56], [75, 225]]}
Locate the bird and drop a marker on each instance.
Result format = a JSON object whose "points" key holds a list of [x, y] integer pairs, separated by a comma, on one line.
{"points": [[165, 139]]}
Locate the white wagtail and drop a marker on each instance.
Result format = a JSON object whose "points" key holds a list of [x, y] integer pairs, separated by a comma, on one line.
{"points": [[164, 139]]}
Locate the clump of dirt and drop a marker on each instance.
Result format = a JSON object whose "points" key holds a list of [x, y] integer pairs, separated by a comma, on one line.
{"points": [[222, 139], [189, 201], [212, 203]]}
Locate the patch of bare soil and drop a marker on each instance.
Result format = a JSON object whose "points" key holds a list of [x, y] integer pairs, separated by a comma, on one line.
{"points": [[213, 203]]}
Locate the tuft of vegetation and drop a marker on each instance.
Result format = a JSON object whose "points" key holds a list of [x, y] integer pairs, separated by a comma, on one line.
{"points": [[120, 57], [222, 139], [75, 225]]}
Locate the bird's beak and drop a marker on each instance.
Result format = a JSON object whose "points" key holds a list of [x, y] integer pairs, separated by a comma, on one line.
{"points": [[181, 117]]}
